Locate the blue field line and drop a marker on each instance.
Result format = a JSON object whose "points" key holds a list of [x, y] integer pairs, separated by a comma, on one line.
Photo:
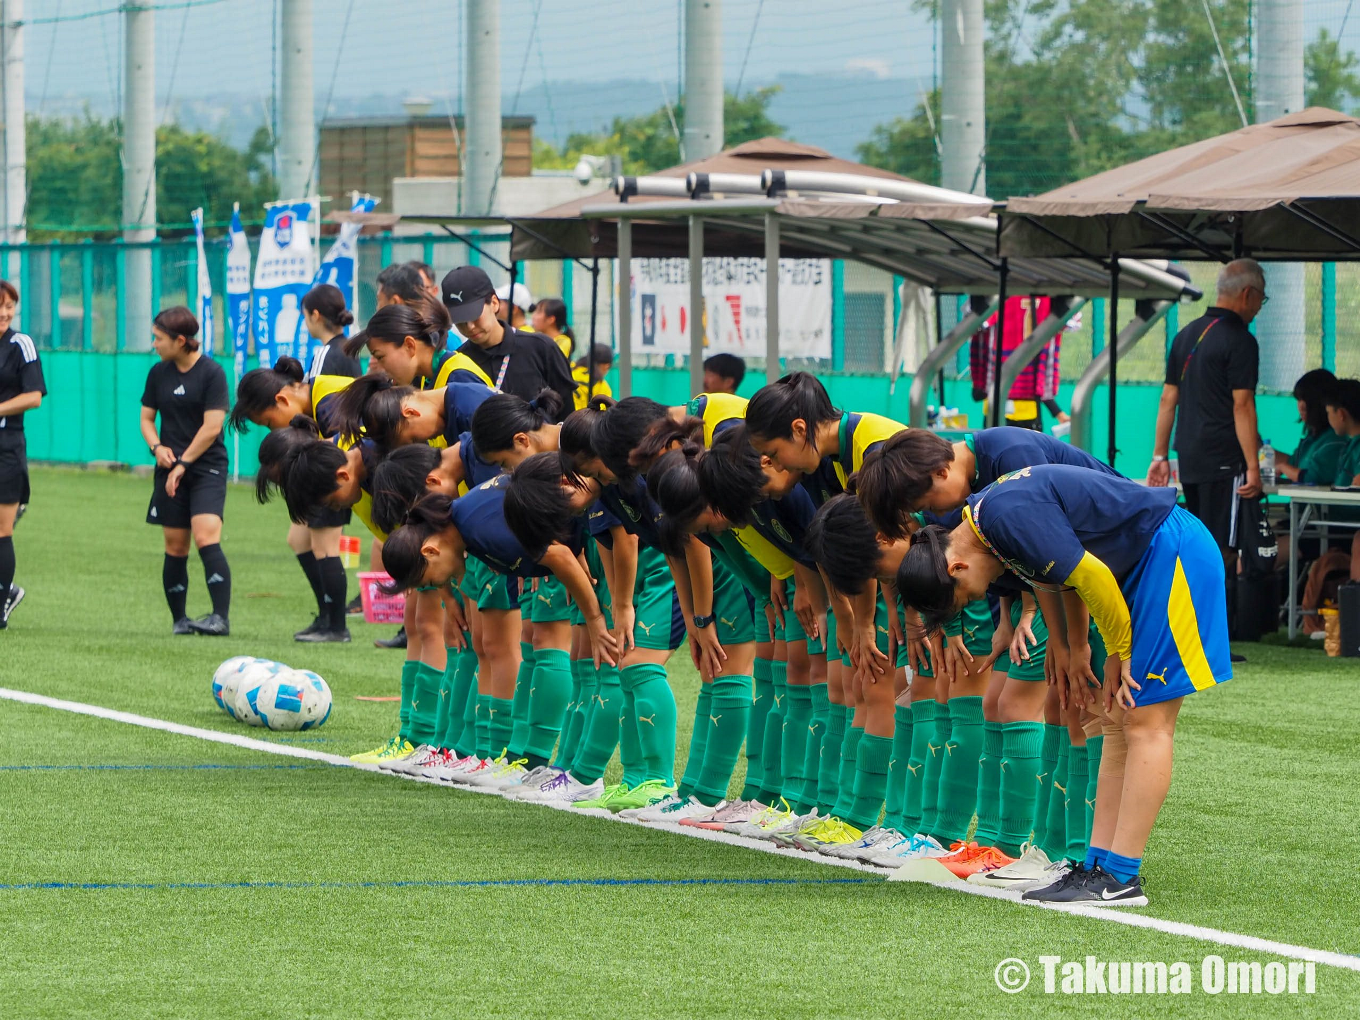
{"points": [[150, 768], [435, 884]]}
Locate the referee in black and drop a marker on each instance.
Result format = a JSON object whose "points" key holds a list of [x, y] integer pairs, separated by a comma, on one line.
{"points": [[189, 392], [21, 389]]}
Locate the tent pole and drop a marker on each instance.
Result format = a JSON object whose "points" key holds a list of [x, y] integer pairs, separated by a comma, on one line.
{"points": [[1114, 353], [939, 339], [771, 297], [623, 305], [696, 304], [590, 352], [998, 414]]}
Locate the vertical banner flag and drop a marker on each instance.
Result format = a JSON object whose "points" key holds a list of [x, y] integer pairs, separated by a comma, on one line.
{"points": [[205, 315], [283, 272], [238, 291], [337, 269]]}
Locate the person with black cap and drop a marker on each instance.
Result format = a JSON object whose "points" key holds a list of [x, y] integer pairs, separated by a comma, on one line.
{"points": [[518, 361]]}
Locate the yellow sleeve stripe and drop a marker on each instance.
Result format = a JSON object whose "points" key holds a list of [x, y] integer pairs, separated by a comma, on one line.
{"points": [[872, 428], [324, 386], [364, 511], [721, 407], [1180, 612], [458, 361], [764, 552], [1100, 591]]}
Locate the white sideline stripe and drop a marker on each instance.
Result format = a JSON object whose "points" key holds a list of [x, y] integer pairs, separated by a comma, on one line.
{"points": [[1116, 916]]}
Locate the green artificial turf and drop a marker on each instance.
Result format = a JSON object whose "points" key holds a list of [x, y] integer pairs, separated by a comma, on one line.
{"points": [[227, 882]]}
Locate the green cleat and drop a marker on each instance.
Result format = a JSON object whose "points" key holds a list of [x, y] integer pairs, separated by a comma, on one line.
{"points": [[605, 800], [641, 796]]}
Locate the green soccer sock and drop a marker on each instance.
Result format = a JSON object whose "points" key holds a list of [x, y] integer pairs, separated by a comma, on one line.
{"points": [[548, 699], [655, 705], [524, 685], [482, 727], [1048, 758], [1076, 803], [1055, 826], [1021, 767], [894, 801], [816, 739], [459, 735], [772, 748], [698, 741], [829, 764], [1094, 746], [425, 703], [444, 721], [582, 691], [761, 702], [871, 781], [500, 724], [728, 716], [408, 686], [931, 797], [989, 785], [797, 715], [630, 744], [600, 734], [849, 755], [922, 730], [959, 778]]}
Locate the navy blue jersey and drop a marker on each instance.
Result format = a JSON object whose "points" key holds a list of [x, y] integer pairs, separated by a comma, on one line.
{"points": [[1004, 449], [461, 399], [1041, 520], [479, 517], [599, 519], [475, 470], [634, 509], [784, 523]]}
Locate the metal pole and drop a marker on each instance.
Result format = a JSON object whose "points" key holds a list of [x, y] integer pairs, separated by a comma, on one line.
{"points": [[963, 119], [703, 79], [696, 304], [590, 352], [482, 142], [296, 145], [139, 170], [623, 301], [939, 339], [1279, 91], [772, 369], [998, 356], [1114, 353], [12, 82]]}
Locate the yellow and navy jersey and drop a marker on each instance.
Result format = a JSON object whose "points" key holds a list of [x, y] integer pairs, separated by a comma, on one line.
{"points": [[479, 517], [1002, 450], [770, 557], [324, 389], [860, 435], [453, 366], [564, 342], [718, 410], [461, 400], [581, 374], [782, 524], [368, 453], [729, 550]]}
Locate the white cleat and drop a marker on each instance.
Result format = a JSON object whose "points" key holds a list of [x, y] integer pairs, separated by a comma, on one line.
{"points": [[409, 764], [1030, 866], [875, 840], [675, 810], [913, 848], [529, 783], [504, 771], [562, 789], [766, 818], [1055, 872]]}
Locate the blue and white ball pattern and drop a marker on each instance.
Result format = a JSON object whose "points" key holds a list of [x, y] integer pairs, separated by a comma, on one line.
{"points": [[252, 678], [224, 671], [293, 699]]}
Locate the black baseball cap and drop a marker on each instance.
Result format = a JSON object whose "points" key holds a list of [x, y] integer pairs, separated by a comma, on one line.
{"points": [[464, 292]]}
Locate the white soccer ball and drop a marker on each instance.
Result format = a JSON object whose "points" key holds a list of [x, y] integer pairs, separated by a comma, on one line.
{"points": [[253, 676], [293, 699], [223, 672]]}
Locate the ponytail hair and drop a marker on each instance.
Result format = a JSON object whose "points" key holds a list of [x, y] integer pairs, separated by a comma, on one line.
{"points": [[662, 434], [398, 482], [614, 434], [896, 476], [370, 406], [257, 389], [730, 476], [673, 484], [402, 556], [923, 580], [579, 426], [274, 450], [308, 477], [329, 301], [537, 509], [424, 318], [502, 416], [777, 405]]}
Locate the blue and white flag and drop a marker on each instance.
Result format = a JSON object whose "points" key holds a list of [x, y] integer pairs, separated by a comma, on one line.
{"points": [[337, 269], [283, 272], [205, 315], [238, 290]]}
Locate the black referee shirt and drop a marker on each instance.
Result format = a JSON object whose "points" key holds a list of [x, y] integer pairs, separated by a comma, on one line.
{"points": [[20, 372], [182, 398], [532, 361], [330, 359], [1210, 358]]}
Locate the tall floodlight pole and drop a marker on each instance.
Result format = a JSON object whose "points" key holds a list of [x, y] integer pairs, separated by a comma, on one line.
{"points": [[482, 140], [295, 147], [1279, 90], [12, 82], [963, 109], [703, 79], [139, 170]]}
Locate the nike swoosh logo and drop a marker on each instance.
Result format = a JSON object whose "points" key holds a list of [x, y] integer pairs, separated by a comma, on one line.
{"points": [[1105, 894]]}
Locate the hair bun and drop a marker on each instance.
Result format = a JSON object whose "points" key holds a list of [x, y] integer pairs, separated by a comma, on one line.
{"points": [[290, 367], [345, 318]]}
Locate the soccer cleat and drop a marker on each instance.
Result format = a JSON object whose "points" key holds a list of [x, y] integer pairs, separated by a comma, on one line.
{"points": [[728, 814], [399, 751], [1096, 887], [1076, 875], [510, 774], [913, 848], [397, 640], [373, 755], [530, 780], [14, 596], [643, 795], [320, 637], [426, 757], [604, 800], [1031, 866], [1055, 872], [566, 789], [774, 815], [406, 763], [213, 625], [355, 606], [440, 766], [870, 841], [491, 778], [182, 627], [674, 810], [831, 832], [970, 859], [318, 623], [477, 772], [782, 835]]}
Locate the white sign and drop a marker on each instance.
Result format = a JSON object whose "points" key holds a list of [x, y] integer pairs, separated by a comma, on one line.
{"points": [[734, 307], [283, 274]]}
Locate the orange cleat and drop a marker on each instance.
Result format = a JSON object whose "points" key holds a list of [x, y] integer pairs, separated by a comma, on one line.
{"points": [[970, 858]]}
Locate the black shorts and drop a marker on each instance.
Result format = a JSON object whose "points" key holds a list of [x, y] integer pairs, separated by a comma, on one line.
{"points": [[202, 490], [328, 518], [13, 468], [1219, 506]]}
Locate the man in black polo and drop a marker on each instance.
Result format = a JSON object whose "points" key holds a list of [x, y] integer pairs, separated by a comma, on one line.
{"points": [[517, 361], [1210, 395]]}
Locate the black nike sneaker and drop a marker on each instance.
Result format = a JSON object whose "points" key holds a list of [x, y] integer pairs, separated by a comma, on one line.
{"points": [[315, 627], [317, 637], [1078, 874], [212, 625], [13, 597], [1096, 887], [182, 626], [355, 607], [397, 640]]}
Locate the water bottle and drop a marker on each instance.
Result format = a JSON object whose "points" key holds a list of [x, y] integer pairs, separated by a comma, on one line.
{"points": [[1267, 463]]}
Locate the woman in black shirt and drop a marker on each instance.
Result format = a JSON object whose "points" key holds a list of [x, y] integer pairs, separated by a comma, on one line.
{"points": [[323, 308], [190, 393], [21, 389]]}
